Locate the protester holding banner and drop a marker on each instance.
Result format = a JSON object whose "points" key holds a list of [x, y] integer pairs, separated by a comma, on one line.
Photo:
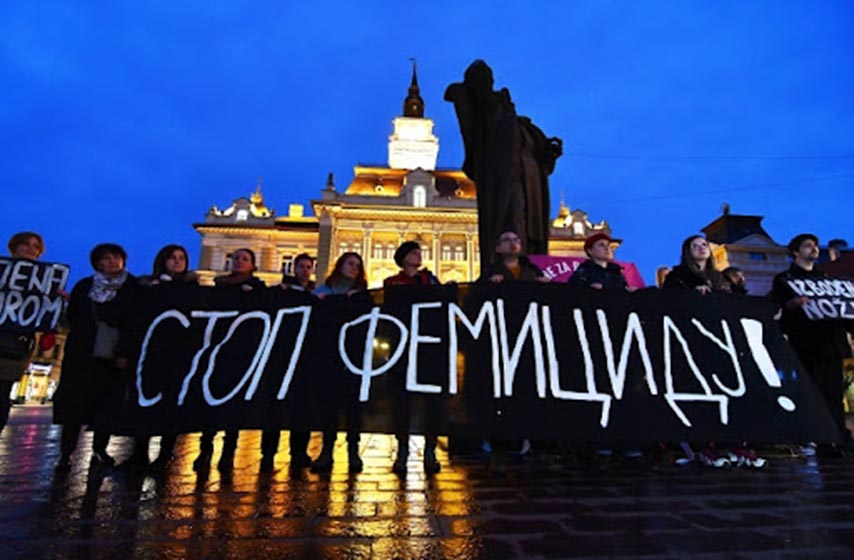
{"points": [[599, 271], [734, 276], [408, 258], [91, 390], [169, 270], [347, 280], [820, 344], [242, 278], [696, 269], [300, 281], [510, 265], [16, 349]]}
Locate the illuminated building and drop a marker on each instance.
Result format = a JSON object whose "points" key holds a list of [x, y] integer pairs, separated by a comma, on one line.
{"points": [[740, 240], [383, 206]]}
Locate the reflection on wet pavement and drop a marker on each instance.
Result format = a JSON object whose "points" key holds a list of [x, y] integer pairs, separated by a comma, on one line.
{"points": [[550, 505]]}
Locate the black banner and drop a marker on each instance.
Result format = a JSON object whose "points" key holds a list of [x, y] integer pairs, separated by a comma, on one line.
{"points": [[829, 298], [524, 360], [29, 300]]}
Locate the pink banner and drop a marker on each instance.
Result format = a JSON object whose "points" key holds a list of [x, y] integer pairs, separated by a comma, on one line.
{"points": [[559, 269]]}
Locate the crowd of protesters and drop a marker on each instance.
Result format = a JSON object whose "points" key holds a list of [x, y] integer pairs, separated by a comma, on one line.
{"points": [[99, 351]]}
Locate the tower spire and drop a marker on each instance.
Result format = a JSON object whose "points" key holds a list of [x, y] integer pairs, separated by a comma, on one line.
{"points": [[413, 105]]}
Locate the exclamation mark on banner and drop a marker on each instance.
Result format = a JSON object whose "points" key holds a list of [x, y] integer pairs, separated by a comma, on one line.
{"points": [[753, 332]]}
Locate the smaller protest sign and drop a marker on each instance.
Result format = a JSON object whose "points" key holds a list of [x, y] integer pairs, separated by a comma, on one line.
{"points": [[829, 298], [29, 294]]}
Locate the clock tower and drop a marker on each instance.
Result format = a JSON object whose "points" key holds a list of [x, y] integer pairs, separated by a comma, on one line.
{"points": [[412, 145]]}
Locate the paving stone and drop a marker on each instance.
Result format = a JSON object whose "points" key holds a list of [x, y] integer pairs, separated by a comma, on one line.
{"points": [[552, 506]]}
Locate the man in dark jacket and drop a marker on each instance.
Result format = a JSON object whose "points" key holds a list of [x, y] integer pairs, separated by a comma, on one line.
{"points": [[599, 271], [820, 345], [510, 265]]}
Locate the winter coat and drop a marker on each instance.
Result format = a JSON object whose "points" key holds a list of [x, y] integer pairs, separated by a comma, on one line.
{"points": [[529, 273], [589, 272], [819, 340], [81, 371]]}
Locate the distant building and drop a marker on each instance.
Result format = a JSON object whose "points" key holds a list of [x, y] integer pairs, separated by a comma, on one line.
{"points": [[384, 205], [740, 240]]}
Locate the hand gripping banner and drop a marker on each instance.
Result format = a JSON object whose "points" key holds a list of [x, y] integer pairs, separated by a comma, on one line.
{"points": [[517, 360]]}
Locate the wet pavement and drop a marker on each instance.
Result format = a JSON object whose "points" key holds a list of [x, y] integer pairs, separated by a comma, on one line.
{"points": [[548, 506]]}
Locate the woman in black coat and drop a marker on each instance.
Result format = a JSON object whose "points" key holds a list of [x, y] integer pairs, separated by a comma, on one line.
{"points": [[242, 278], [170, 270], [92, 383]]}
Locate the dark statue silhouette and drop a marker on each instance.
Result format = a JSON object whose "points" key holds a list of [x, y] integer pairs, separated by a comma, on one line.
{"points": [[508, 158]]}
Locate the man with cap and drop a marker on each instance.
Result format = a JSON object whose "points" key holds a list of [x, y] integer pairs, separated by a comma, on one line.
{"points": [[820, 345], [408, 258], [599, 271]]}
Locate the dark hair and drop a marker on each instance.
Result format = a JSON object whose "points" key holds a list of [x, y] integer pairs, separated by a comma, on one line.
{"points": [[303, 257], [337, 276], [795, 244], [103, 249], [709, 272], [22, 237], [731, 270], [163, 255], [251, 254]]}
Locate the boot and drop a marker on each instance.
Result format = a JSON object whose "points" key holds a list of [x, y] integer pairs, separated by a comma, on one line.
{"points": [[354, 462], [323, 463], [431, 464], [203, 461], [399, 466]]}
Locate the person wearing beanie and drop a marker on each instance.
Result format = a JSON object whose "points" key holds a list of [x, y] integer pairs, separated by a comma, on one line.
{"points": [[408, 258], [821, 346], [599, 271]]}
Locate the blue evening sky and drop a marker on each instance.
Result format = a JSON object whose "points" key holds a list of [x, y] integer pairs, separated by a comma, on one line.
{"points": [[126, 121]]}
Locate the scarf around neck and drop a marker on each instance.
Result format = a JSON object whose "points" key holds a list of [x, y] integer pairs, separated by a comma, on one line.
{"points": [[105, 289]]}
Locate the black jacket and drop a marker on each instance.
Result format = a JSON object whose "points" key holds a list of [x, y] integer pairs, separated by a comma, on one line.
{"points": [[823, 340], [682, 277], [73, 400], [611, 276], [529, 273]]}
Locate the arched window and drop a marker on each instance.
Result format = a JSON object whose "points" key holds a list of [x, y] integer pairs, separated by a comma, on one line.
{"points": [[419, 197], [425, 252], [578, 228], [459, 253], [389, 250], [378, 251], [446, 252]]}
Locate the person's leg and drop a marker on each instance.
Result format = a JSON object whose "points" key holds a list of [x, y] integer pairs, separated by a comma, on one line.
{"points": [[229, 446], [298, 441], [5, 401], [203, 461], [100, 440], [165, 455], [354, 433], [269, 446], [67, 444], [402, 419]]}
